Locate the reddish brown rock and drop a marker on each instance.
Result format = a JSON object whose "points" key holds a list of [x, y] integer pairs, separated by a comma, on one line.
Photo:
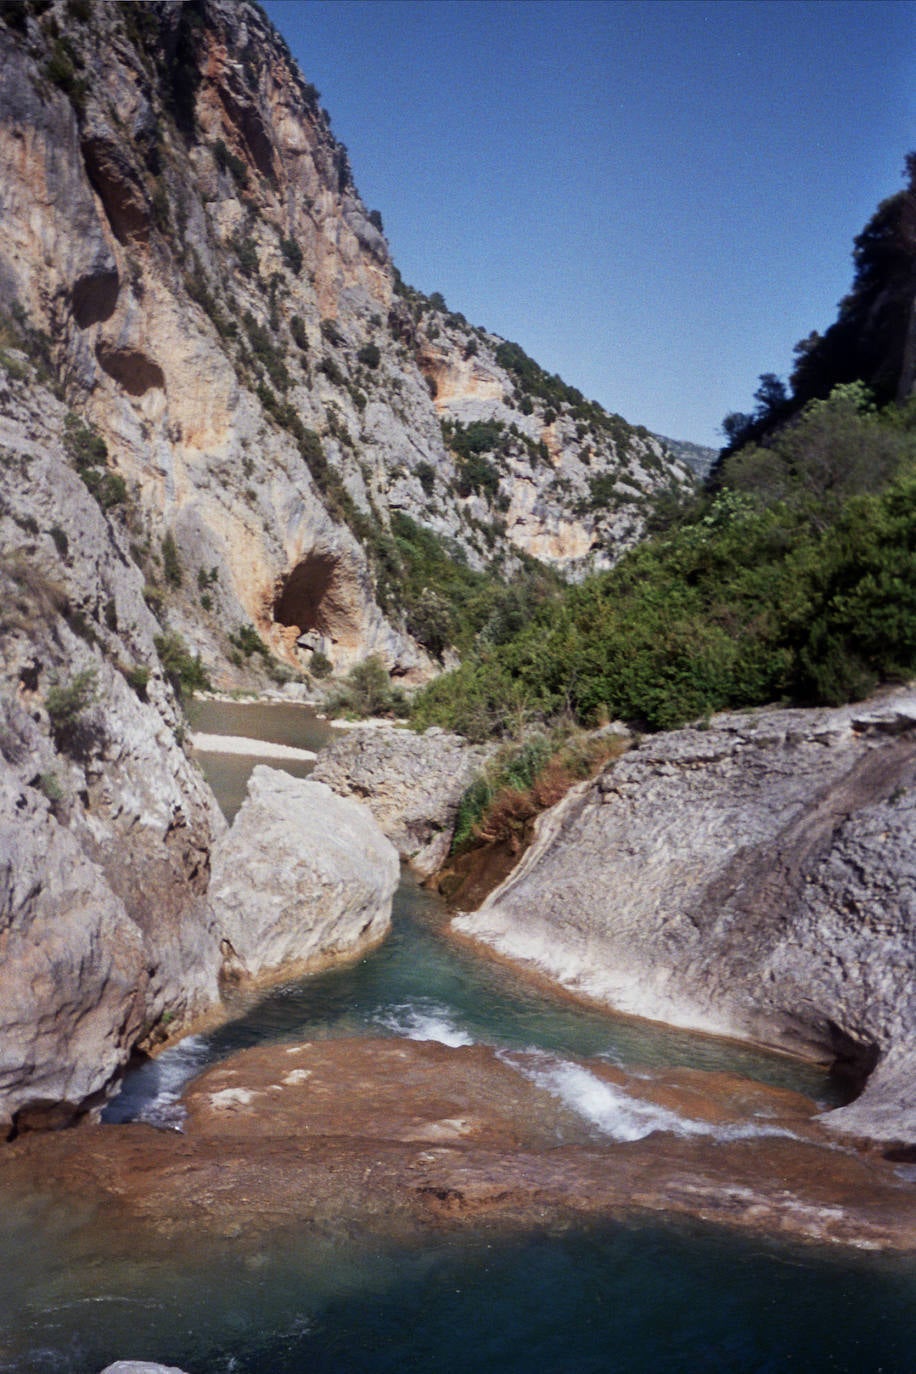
{"points": [[392, 1134]]}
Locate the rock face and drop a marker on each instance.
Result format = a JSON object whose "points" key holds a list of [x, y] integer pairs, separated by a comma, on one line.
{"points": [[74, 972], [754, 879], [185, 250], [108, 932], [411, 783], [107, 825], [303, 878]]}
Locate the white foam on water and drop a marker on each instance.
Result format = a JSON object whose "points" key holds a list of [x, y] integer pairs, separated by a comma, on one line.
{"points": [[152, 1093], [613, 1111], [423, 1020]]}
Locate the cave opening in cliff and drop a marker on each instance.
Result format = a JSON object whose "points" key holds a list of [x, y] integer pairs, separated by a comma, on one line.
{"points": [[317, 594]]}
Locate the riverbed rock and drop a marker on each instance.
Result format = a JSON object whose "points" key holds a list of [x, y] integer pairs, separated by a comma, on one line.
{"points": [[754, 879], [141, 1367], [411, 783], [393, 1137], [303, 878]]}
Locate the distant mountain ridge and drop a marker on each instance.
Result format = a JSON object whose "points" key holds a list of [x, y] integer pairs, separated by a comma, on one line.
{"points": [[698, 457]]}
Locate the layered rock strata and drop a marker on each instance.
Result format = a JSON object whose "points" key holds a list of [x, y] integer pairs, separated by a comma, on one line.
{"points": [[754, 879]]}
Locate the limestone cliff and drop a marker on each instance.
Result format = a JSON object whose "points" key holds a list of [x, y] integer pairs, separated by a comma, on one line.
{"points": [[184, 250], [105, 825]]}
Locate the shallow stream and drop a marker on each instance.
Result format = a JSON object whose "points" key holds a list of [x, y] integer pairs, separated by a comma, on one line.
{"points": [[77, 1292]]}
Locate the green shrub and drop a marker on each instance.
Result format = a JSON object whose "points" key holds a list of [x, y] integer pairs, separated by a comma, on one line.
{"points": [[83, 443], [743, 600], [367, 691], [515, 770], [266, 351], [227, 161], [89, 453], [247, 256], [171, 563], [469, 441], [330, 369], [60, 69], [312, 452], [184, 670], [50, 785], [12, 367], [477, 474], [108, 488], [65, 704], [300, 337], [138, 677], [159, 203], [292, 255], [426, 475], [330, 330], [247, 640], [320, 665], [369, 355]]}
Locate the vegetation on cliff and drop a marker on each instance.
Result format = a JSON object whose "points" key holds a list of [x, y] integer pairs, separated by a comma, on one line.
{"points": [[871, 340], [792, 578], [795, 581]]}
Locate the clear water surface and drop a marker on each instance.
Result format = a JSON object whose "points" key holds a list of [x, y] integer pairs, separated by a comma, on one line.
{"points": [[76, 1293]]}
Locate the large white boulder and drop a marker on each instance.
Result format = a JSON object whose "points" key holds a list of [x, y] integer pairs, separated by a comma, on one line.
{"points": [[303, 878]]}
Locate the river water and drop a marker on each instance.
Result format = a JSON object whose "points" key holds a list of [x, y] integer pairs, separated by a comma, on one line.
{"points": [[77, 1292]]}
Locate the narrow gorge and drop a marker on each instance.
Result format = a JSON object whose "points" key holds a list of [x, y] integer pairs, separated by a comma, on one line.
{"points": [[252, 1061]]}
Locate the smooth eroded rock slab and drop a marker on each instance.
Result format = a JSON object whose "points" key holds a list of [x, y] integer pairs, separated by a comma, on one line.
{"points": [[303, 878], [755, 879], [393, 1135]]}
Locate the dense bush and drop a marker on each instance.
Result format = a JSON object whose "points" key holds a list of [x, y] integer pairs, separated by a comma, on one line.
{"points": [[247, 641], [266, 351], [367, 691], [330, 330], [794, 582], [446, 603], [292, 255], [65, 705], [227, 161], [171, 563], [89, 453], [369, 355], [184, 670], [298, 331], [246, 253]]}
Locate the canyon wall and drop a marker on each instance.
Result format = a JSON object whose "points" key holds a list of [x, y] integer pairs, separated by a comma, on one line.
{"points": [[185, 249]]}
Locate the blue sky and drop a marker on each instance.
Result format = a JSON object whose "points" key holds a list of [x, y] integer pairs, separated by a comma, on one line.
{"points": [[656, 200]]}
